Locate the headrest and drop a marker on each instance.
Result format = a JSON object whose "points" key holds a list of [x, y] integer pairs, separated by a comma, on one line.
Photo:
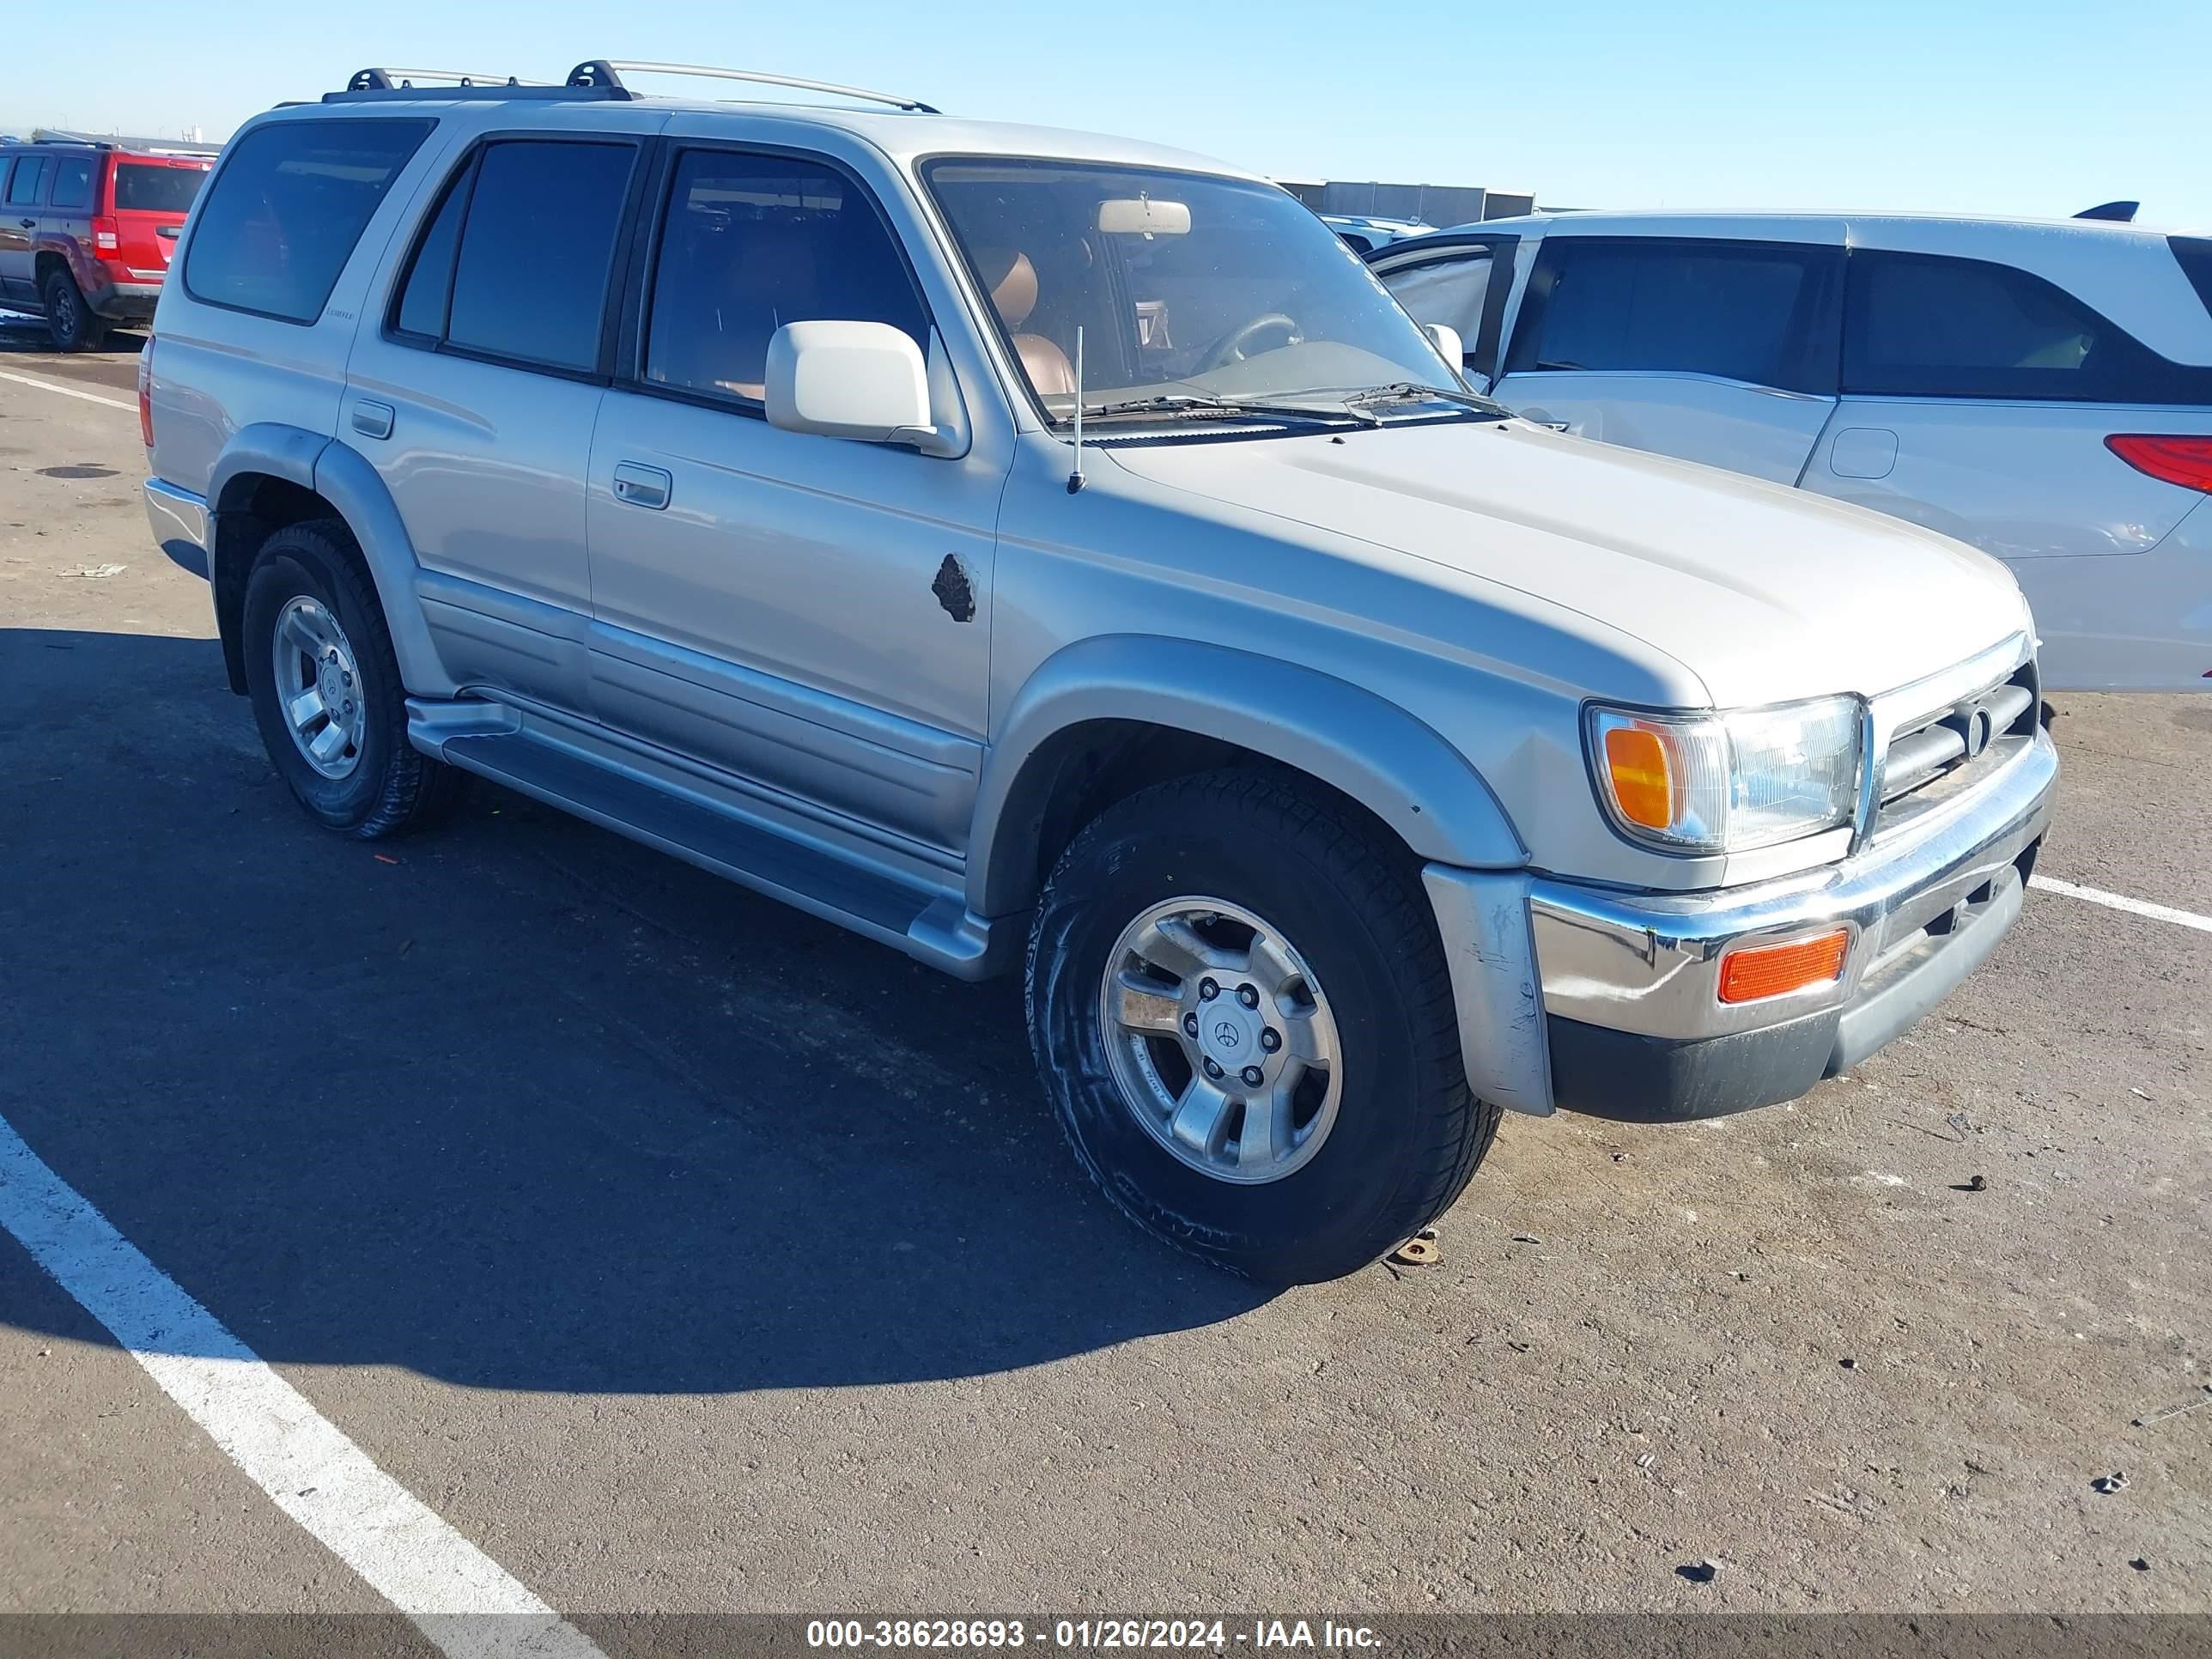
{"points": [[1012, 281]]}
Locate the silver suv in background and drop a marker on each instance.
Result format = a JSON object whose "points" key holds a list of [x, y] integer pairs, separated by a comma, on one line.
{"points": [[1040, 552], [2042, 390]]}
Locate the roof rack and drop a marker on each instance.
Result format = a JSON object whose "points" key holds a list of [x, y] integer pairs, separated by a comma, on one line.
{"points": [[600, 73], [378, 82], [135, 146]]}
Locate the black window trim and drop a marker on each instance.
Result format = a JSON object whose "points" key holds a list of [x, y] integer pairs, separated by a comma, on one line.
{"points": [[2182, 386], [1518, 355], [651, 229], [1504, 248], [471, 163], [183, 263]]}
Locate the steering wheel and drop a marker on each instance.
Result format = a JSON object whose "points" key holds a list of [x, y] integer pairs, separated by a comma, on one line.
{"points": [[1232, 347]]}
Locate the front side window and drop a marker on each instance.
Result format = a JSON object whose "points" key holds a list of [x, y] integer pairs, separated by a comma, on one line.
{"points": [[1187, 287], [27, 182], [285, 212], [1920, 326], [144, 187], [1759, 312], [752, 242]]}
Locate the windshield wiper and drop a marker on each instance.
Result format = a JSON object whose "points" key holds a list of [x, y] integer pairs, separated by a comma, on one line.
{"points": [[1201, 403], [1406, 392]]}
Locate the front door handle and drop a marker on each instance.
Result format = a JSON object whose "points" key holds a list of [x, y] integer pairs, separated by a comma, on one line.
{"points": [[371, 419], [641, 486], [28, 224]]}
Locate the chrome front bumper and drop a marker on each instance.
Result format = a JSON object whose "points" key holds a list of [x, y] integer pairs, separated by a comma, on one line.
{"points": [[1608, 1002]]}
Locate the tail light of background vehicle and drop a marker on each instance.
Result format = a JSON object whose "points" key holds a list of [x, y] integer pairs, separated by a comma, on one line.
{"points": [[146, 393], [2183, 461], [106, 235]]}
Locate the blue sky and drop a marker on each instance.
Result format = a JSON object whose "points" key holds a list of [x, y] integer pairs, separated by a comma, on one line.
{"points": [[2029, 109]]}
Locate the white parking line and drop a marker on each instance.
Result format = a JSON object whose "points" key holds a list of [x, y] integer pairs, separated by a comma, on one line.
{"points": [[411, 1556], [67, 391], [2122, 901]]}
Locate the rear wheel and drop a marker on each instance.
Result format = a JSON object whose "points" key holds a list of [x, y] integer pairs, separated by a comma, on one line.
{"points": [[72, 321], [325, 688], [1243, 1015]]}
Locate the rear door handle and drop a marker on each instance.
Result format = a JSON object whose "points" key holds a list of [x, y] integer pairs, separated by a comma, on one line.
{"points": [[371, 419], [643, 486]]}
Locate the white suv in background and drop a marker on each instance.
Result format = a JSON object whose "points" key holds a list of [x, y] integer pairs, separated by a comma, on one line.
{"points": [[2042, 390]]}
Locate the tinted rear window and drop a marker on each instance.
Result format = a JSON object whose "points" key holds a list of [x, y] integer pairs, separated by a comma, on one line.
{"points": [[142, 189], [287, 208], [1759, 313], [1922, 326], [531, 281]]}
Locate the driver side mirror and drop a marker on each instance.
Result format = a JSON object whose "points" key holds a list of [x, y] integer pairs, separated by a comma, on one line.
{"points": [[864, 381], [1447, 341]]}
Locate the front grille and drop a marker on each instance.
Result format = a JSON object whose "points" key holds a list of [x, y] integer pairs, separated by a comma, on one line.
{"points": [[1941, 756]]}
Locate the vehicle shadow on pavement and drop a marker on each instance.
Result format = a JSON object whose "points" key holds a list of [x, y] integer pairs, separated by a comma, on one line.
{"points": [[515, 1104]]}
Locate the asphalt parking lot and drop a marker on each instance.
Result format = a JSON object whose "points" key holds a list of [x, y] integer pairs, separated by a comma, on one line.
{"points": [[683, 1253]]}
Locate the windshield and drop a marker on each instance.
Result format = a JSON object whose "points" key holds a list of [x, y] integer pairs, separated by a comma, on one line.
{"points": [[1189, 288]]}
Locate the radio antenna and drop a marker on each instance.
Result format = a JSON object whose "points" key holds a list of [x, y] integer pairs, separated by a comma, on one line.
{"points": [[1075, 479]]}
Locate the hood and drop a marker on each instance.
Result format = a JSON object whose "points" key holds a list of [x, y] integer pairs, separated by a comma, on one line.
{"points": [[1762, 593]]}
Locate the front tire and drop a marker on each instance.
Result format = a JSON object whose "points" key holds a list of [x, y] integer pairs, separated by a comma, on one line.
{"points": [[70, 318], [325, 688], [1242, 1016]]}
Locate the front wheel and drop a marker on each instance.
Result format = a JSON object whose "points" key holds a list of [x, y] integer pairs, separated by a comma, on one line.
{"points": [[1242, 1013]]}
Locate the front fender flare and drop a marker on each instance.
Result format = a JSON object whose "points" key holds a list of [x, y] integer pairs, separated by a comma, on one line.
{"points": [[1396, 766]]}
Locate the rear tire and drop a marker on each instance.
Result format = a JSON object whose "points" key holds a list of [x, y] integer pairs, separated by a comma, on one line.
{"points": [[70, 318], [347, 761], [1276, 873]]}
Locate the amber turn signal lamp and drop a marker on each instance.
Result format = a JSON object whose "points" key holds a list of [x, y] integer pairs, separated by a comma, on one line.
{"points": [[1760, 971], [1642, 783]]}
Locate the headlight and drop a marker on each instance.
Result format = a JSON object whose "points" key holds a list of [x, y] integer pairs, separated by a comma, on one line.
{"points": [[1729, 782]]}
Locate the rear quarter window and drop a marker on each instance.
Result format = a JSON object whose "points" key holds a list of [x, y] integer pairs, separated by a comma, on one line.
{"points": [[2195, 254], [1926, 325], [73, 182], [141, 187], [286, 208]]}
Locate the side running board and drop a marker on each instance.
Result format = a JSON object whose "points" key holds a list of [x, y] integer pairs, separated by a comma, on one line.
{"points": [[927, 921]]}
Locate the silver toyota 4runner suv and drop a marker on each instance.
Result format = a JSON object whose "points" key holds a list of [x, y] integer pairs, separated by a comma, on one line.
{"points": [[1032, 549]]}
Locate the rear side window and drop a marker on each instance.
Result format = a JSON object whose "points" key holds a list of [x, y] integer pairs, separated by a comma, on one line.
{"points": [[73, 182], [284, 214], [514, 264], [28, 182], [1757, 312], [753, 242], [1920, 326], [140, 188]]}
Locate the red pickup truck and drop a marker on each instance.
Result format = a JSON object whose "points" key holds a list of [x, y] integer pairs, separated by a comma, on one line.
{"points": [[87, 229]]}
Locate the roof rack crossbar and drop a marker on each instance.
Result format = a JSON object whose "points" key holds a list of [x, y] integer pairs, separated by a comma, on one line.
{"points": [[607, 72]]}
